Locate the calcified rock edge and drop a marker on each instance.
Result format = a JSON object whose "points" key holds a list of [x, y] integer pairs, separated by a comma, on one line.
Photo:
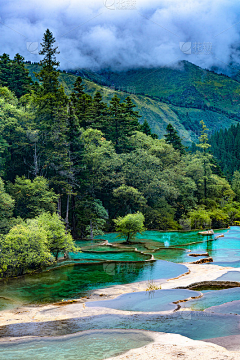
{"points": [[174, 346], [54, 320]]}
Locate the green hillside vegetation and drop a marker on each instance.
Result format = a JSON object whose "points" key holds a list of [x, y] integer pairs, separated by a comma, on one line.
{"points": [[75, 164], [183, 96], [225, 147]]}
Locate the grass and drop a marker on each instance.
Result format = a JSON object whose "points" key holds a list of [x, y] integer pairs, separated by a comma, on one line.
{"points": [[152, 286]]}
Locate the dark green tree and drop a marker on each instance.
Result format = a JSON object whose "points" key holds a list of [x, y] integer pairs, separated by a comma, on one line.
{"points": [[14, 75], [145, 128], [52, 123], [174, 139], [204, 146], [122, 122]]}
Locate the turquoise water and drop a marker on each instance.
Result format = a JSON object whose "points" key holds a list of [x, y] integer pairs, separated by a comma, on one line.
{"points": [[230, 276], [75, 280], [174, 246], [114, 256], [232, 307], [173, 238], [94, 345], [197, 325], [213, 298], [158, 300]]}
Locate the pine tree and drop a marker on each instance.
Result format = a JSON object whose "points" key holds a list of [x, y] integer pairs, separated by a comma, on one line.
{"points": [[174, 139], [21, 81], [5, 70], [48, 74], [145, 128], [81, 103], [52, 119], [14, 75], [204, 146]]}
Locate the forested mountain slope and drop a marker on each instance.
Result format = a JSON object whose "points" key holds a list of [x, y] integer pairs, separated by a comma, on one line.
{"points": [[182, 96]]}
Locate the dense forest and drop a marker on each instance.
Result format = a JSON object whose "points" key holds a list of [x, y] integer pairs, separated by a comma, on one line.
{"points": [[225, 145], [71, 165]]}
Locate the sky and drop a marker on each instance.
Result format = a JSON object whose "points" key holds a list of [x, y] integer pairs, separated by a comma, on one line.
{"points": [[124, 34]]}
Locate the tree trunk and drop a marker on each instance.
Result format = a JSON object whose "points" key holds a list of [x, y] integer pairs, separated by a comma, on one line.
{"points": [[35, 159], [59, 206], [74, 222], [67, 212], [91, 230]]}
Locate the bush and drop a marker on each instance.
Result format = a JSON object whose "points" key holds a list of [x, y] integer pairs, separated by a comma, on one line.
{"points": [[24, 248], [31, 245], [58, 239]]}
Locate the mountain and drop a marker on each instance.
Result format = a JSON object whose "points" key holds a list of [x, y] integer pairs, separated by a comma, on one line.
{"points": [[183, 95]]}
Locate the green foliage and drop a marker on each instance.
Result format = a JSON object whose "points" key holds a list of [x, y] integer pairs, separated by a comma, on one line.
{"points": [[145, 128], [236, 184], [6, 208], [200, 219], [86, 143], [58, 240], [128, 199], [32, 197], [174, 139], [91, 216], [161, 216], [48, 74], [96, 216], [129, 225], [24, 248], [30, 245], [14, 75], [225, 147], [219, 218], [192, 94]]}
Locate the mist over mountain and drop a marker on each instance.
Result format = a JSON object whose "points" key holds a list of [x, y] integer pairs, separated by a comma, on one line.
{"points": [[122, 34]]}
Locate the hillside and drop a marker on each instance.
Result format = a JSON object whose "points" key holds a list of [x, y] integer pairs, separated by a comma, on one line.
{"points": [[182, 96]]}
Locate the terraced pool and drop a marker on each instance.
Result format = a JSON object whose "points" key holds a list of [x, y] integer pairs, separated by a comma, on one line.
{"points": [[147, 301], [92, 345], [75, 280]]}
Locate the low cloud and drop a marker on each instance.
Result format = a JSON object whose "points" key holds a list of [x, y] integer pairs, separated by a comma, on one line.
{"points": [[122, 34]]}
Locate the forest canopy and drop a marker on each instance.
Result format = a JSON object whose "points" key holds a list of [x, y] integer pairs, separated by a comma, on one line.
{"points": [[78, 163]]}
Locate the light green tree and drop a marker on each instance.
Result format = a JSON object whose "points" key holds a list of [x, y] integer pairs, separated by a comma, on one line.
{"points": [[58, 239], [204, 146], [129, 225], [200, 218], [32, 197], [24, 248], [6, 208], [236, 184]]}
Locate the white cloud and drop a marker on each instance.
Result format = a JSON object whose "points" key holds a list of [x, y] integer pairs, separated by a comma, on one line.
{"points": [[91, 35]]}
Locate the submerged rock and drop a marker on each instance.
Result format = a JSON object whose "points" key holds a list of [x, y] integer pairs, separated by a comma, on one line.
{"points": [[202, 261]]}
